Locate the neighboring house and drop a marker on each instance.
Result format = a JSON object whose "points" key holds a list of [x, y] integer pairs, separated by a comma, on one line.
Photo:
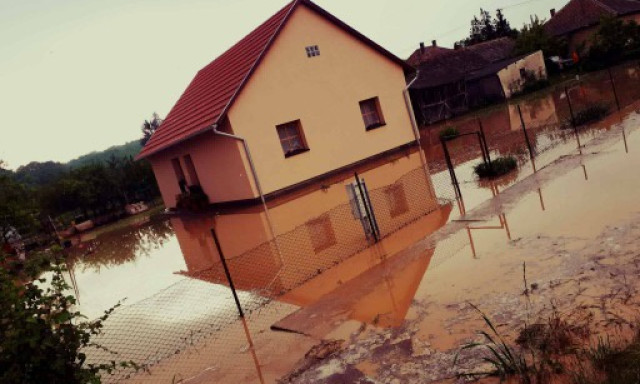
{"points": [[307, 94], [451, 81], [579, 19]]}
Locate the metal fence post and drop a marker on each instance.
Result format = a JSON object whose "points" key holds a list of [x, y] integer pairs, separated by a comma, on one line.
{"points": [[366, 208], [526, 136], [613, 86], [573, 119], [484, 141], [226, 272], [452, 172]]}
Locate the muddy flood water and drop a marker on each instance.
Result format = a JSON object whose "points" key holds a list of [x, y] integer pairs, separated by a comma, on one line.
{"points": [[309, 271]]}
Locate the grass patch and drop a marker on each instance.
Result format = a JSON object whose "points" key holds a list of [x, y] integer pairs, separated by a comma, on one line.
{"points": [[508, 361], [498, 167], [555, 349], [606, 363], [449, 133], [591, 114]]}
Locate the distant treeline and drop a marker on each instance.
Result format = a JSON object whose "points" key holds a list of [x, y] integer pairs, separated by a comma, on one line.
{"points": [[93, 185]]}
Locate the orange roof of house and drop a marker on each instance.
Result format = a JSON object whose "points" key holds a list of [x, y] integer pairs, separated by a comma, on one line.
{"points": [[211, 93]]}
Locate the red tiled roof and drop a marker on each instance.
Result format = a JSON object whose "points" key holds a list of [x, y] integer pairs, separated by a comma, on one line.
{"points": [[578, 14], [210, 94]]}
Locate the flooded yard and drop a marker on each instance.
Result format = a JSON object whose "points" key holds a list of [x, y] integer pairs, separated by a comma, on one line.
{"points": [[309, 270]]}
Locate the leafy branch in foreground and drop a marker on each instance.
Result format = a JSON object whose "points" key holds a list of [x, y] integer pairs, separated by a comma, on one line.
{"points": [[41, 337]]}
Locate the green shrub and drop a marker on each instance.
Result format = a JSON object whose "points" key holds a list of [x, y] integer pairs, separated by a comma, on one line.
{"points": [[498, 167], [591, 114], [449, 133], [41, 336]]}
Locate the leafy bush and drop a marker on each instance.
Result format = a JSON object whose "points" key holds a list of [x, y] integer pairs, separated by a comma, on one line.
{"points": [[590, 114], [449, 133], [42, 337], [498, 167]]}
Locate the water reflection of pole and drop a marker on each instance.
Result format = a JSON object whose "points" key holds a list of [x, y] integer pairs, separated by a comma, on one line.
{"points": [[573, 119], [226, 272], [503, 225], [503, 221], [526, 136], [253, 350], [74, 283], [613, 86], [541, 199], [624, 139], [584, 168], [473, 246]]}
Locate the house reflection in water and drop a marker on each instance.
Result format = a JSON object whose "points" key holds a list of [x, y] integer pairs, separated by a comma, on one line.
{"points": [[321, 242]]}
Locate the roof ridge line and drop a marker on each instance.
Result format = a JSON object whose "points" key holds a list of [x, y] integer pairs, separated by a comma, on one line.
{"points": [[225, 110], [602, 5]]}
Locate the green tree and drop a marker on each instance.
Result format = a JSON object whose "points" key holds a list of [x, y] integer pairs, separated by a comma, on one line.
{"points": [[17, 208], [149, 127], [613, 39], [486, 28], [42, 338], [533, 37], [37, 174]]}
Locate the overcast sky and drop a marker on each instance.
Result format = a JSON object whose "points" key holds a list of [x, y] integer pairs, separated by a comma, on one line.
{"points": [[81, 75]]}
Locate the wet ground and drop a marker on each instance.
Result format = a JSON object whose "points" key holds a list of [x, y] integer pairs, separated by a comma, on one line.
{"points": [[398, 309], [574, 225]]}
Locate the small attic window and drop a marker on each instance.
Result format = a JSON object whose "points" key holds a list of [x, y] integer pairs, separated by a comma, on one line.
{"points": [[312, 51]]}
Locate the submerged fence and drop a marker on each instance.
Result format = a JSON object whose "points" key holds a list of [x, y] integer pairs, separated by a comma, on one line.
{"points": [[537, 128], [194, 327]]}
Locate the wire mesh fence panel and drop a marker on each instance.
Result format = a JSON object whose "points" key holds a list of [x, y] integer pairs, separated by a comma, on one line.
{"points": [[401, 203], [178, 320], [193, 327]]}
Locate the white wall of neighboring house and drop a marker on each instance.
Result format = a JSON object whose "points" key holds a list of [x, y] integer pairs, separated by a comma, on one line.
{"points": [[511, 78]]}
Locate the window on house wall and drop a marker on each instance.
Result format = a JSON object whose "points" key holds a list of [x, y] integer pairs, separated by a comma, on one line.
{"points": [[292, 138], [397, 200], [191, 170], [312, 51], [321, 233], [371, 113], [523, 73], [177, 169]]}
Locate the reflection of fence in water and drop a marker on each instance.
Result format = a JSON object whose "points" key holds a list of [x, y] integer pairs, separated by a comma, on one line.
{"points": [[193, 325], [328, 239]]}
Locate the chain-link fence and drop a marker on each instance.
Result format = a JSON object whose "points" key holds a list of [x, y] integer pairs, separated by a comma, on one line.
{"points": [[193, 327], [539, 127]]}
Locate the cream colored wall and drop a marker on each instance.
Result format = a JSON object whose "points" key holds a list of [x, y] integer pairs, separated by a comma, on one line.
{"points": [[218, 162], [510, 76], [324, 93]]}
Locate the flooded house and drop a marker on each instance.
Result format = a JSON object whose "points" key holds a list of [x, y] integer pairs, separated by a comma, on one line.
{"points": [[287, 106], [578, 20], [317, 229], [452, 81]]}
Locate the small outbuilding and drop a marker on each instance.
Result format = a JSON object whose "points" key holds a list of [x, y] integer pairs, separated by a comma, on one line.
{"points": [[452, 81]]}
